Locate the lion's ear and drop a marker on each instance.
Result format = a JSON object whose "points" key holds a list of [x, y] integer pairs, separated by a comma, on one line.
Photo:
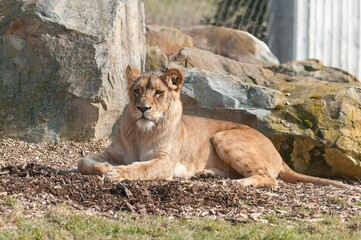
{"points": [[174, 79], [132, 73]]}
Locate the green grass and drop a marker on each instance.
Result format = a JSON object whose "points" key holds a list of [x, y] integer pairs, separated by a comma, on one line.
{"points": [[62, 222]]}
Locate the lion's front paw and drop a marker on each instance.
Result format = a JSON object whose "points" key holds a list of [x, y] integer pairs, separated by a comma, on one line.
{"points": [[115, 174], [101, 168]]}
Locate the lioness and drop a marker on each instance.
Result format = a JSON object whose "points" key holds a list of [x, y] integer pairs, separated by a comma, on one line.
{"points": [[156, 142]]}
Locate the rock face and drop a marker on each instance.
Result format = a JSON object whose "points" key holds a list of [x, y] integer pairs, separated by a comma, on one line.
{"points": [[319, 131], [315, 123], [232, 43], [213, 90], [61, 66]]}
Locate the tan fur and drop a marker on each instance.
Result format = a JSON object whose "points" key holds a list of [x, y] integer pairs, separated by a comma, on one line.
{"points": [[164, 144]]}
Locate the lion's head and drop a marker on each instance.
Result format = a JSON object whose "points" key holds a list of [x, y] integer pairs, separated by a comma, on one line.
{"points": [[153, 96]]}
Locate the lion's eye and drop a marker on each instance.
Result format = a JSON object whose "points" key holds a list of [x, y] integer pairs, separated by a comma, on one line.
{"points": [[158, 92], [136, 91]]}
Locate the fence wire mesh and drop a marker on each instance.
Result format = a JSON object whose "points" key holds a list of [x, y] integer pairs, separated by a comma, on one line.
{"points": [[247, 15]]}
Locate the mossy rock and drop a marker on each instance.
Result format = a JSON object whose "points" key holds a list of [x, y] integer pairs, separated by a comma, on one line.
{"points": [[327, 116]]}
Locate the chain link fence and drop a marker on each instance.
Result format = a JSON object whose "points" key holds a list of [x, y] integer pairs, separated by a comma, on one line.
{"points": [[247, 15]]}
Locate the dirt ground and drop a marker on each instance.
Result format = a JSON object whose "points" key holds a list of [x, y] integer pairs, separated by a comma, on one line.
{"points": [[40, 174]]}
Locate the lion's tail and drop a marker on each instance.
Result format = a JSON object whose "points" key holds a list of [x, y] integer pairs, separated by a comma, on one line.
{"points": [[288, 175]]}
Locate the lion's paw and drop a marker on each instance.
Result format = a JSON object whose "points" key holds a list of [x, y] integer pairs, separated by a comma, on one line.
{"points": [[101, 168], [115, 174]]}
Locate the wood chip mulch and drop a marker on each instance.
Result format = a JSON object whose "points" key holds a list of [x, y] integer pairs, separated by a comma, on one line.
{"points": [[42, 174]]}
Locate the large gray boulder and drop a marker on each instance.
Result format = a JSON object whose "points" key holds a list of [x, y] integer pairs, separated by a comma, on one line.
{"points": [[61, 66], [315, 123], [214, 90]]}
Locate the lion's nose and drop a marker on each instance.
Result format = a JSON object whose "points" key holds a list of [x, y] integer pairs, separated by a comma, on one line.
{"points": [[143, 109]]}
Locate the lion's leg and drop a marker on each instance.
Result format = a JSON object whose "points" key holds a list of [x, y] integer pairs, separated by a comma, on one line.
{"points": [[249, 153], [158, 168], [257, 181], [101, 163], [214, 172], [97, 164]]}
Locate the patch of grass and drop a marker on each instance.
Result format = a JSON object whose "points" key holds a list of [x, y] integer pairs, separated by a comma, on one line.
{"points": [[304, 211], [341, 202], [13, 214], [355, 223], [63, 223], [276, 219], [10, 202]]}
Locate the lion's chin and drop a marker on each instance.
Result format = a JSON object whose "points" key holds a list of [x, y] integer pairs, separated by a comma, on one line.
{"points": [[145, 125]]}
